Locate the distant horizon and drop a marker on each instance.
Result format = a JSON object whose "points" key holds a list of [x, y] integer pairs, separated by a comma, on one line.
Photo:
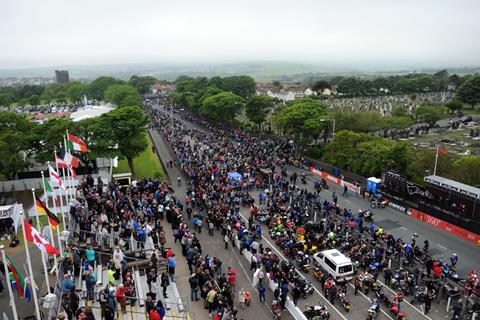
{"points": [[373, 35]]}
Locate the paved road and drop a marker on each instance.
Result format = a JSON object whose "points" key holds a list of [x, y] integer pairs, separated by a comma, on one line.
{"points": [[400, 225], [215, 248], [360, 303]]}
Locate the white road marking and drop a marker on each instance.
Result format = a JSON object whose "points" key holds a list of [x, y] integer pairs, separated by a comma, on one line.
{"points": [[301, 275], [370, 300], [404, 228], [348, 201], [441, 246]]}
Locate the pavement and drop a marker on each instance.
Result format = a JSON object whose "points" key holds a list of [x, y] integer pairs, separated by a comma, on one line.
{"points": [[394, 222]]}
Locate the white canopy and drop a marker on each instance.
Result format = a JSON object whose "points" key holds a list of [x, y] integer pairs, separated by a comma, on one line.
{"points": [[11, 211]]}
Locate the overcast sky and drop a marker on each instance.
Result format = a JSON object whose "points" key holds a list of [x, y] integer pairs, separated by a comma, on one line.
{"points": [[351, 33]]}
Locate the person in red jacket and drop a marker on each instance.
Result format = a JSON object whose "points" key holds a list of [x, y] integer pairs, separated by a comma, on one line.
{"points": [[232, 280]]}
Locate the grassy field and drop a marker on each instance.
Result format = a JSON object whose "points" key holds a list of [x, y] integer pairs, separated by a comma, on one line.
{"points": [[147, 164]]}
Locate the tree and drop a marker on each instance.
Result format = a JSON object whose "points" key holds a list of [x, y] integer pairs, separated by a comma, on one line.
{"points": [[53, 92], [469, 91], [222, 107], [123, 95], [16, 139], [34, 100], [467, 170], [6, 99], [341, 151], [142, 84], [243, 86], [76, 91], [430, 114], [258, 107], [302, 119], [121, 132], [50, 135], [320, 85], [353, 87], [97, 88], [454, 105]]}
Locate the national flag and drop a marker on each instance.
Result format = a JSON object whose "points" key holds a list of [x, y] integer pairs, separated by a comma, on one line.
{"points": [[60, 163], [72, 172], [76, 144], [55, 178], [34, 236], [442, 151], [69, 158], [48, 187], [17, 280], [42, 208]]}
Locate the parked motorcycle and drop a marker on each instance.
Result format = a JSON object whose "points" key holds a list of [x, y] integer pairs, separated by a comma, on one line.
{"points": [[373, 310], [316, 311], [342, 296], [276, 310]]}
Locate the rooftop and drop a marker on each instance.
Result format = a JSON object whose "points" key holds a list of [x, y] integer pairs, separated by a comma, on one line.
{"points": [[453, 185]]}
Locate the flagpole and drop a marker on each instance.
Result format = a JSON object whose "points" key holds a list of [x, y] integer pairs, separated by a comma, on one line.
{"points": [[65, 178], [36, 217], [436, 160], [29, 262], [47, 281], [69, 173], [51, 228], [61, 198], [10, 293]]}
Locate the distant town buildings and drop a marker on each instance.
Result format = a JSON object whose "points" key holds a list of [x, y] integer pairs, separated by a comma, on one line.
{"points": [[160, 87], [61, 76]]}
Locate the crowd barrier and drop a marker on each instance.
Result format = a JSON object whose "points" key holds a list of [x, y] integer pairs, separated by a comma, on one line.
{"points": [[414, 213]]}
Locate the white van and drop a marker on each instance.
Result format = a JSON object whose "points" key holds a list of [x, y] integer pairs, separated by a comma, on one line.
{"points": [[335, 264]]}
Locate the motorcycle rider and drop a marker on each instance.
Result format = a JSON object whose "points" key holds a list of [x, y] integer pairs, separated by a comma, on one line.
{"points": [[454, 259]]}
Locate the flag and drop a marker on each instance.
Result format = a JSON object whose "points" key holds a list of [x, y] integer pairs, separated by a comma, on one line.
{"points": [[34, 236], [442, 151], [48, 187], [60, 163], [72, 172], [69, 158], [55, 178], [17, 280], [76, 144], [42, 208]]}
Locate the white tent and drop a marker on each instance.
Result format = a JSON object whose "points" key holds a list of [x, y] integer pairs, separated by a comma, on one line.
{"points": [[11, 211]]}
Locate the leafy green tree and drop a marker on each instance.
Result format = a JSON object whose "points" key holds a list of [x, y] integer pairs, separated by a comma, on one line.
{"points": [[53, 92], [97, 88], [76, 90], [243, 86], [469, 91], [359, 121], [34, 100], [123, 95], [26, 91], [142, 84], [454, 105], [16, 140], [341, 151], [352, 87], [430, 114], [320, 85], [185, 84], [121, 132], [424, 161], [467, 170], [222, 107], [6, 99], [301, 119], [258, 107], [50, 135]]}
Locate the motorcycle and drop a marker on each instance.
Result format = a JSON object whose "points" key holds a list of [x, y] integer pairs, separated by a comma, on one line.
{"points": [[382, 297], [316, 311], [276, 310], [317, 273], [379, 203], [373, 310], [368, 215], [342, 296], [306, 288], [448, 270]]}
